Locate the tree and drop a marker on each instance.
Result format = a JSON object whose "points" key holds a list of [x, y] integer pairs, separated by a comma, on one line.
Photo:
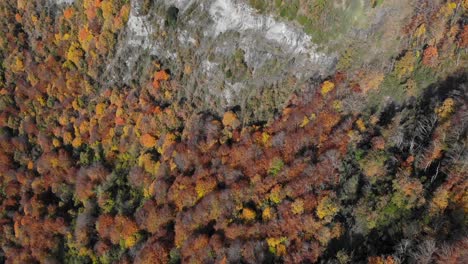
{"points": [[327, 87], [230, 120], [406, 65], [148, 141], [430, 56], [463, 39], [446, 109], [327, 208], [152, 252]]}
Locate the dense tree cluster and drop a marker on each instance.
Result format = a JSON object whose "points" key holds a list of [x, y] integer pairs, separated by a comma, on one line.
{"points": [[98, 174]]}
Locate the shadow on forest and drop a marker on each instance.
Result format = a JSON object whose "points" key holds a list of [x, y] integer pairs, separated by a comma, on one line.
{"points": [[383, 240]]}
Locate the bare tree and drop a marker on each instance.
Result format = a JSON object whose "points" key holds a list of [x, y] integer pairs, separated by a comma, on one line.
{"points": [[424, 252]]}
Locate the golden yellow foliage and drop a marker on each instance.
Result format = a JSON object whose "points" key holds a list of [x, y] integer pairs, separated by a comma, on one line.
{"points": [[167, 95], [360, 125], [125, 12], [33, 80], [56, 142], [125, 230], [129, 241], [304, 122], [205, 186], [41, 100], [265, 139], [34, 19], [83, 127], [149, 191], [297, 207], [337, 105], [172, 165], [169, 140], [276, 246], [75, 53], [274, 241], [100, 109], [146, 162], [248, 214], [148, 141], [63, 120], [281, 250], [54, 162], [18, 65], [107, 9], [405, 66], [119, 112], [88, 3], [75, 104], [59, 37], [327, 87], [327, 208], [420, 31], [67, 138], [439, 200], [275, 194], [76, 143], [230, 120], [267, 214], [448, 9], [446, 109]]}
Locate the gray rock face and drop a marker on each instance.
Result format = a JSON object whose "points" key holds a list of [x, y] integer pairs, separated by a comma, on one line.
{"points": [[68, 2], [237, 56]]}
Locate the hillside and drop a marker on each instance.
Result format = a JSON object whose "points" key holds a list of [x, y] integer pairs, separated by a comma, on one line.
{"points": [[233, 131]]}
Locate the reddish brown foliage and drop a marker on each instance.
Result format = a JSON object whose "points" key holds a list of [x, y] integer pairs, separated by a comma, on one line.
{"points": [[430, 56], [463, 39], [152, 252]]}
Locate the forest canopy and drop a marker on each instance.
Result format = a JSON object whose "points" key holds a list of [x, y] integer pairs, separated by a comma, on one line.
{"points": [[366, 162]]}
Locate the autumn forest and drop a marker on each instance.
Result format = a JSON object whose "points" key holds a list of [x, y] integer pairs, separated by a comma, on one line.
{"points": [[129, 134]]}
